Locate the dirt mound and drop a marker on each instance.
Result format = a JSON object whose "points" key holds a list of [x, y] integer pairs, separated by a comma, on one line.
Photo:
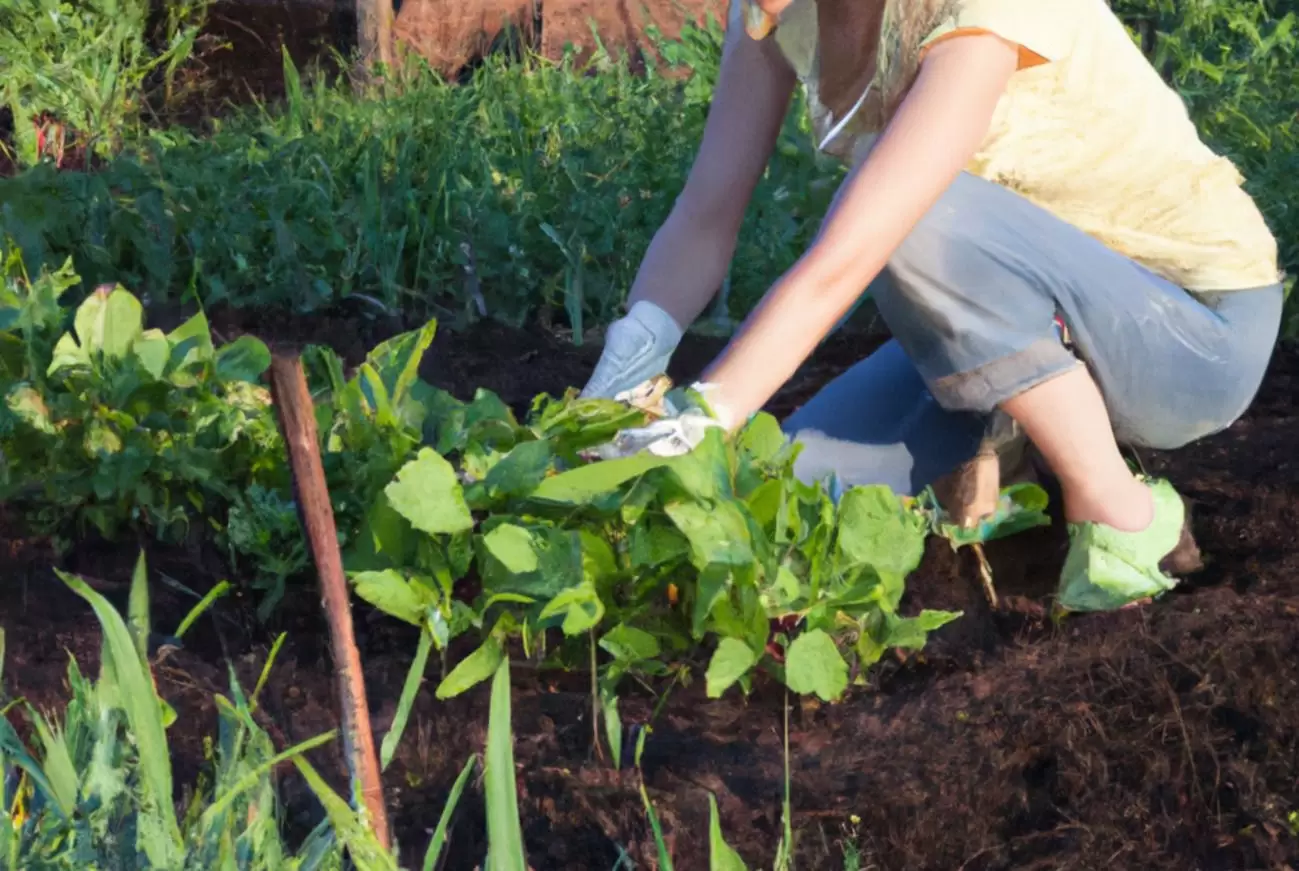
{"points": [[451, 34]]}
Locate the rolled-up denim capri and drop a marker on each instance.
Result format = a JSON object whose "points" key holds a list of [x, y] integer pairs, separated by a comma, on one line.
{"points": [[973, 299]]}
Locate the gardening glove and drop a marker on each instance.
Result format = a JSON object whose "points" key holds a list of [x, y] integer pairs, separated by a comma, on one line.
{"points": [[688, 419], [636, 348]]}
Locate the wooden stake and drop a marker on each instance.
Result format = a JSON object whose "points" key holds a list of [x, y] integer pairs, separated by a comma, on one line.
{"points": [[298, 425]]}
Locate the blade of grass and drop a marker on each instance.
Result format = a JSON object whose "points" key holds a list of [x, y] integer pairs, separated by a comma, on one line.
{"points": [[785, 849], [504, 831], [414, 678], [362, 845], [138, 608], [266, 671], [665, 858], [440, 833], [217, 592], [250, 779], [135, 694]]}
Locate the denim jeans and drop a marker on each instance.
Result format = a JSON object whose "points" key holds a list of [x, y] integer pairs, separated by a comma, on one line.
{"points": [[971, 297]]}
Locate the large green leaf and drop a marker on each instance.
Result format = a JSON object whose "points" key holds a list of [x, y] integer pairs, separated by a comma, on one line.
{"points": [[472, 670], [718, 534], [876, 531], [152, 351], [519, 471], [397, 360], [244, 359], [582, 485], [504, 831], [427, 493], [731, 661], [394, 595], [108, 322], [629, 644], [813, 665], [513, 547], [580, 605]]}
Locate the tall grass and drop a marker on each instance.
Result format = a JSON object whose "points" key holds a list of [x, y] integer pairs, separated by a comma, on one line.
{"points": [[532, 191], [75, 76]]}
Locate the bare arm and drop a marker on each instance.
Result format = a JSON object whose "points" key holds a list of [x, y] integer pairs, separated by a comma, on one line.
{"points": [[936, 131], [688, 258]]}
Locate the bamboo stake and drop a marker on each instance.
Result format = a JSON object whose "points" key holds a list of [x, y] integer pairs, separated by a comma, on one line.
{"points": [[298, 425]]}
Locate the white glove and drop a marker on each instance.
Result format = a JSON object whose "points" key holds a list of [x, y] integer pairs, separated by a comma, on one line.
{"points": [[636, 348], [678, 433]]}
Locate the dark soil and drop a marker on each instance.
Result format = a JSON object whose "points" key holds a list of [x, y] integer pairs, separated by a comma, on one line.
{"points": [[1165, 737]]}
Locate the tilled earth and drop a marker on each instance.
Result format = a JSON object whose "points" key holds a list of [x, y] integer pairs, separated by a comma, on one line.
{"points": [[1165, 737]]}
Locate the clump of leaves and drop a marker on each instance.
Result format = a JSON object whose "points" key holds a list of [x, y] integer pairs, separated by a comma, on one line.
{"points": [[98, 791], [503, 527], [76, 74], [113, 425]]}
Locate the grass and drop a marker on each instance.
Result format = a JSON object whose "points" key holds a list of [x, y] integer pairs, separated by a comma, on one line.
{"points": [[527, 194]]}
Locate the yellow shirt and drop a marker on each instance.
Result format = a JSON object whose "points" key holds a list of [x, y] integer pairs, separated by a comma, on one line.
{"points": [[1089, 131]]}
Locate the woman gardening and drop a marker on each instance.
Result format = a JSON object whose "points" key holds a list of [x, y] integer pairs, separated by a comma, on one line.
{"points": [[1018, 173]]}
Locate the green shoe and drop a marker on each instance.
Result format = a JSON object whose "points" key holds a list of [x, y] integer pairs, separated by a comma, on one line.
{"points": [[1108, 569]]}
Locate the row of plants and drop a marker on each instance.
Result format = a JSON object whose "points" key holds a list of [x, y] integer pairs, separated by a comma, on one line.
{"points": [[454, 516], [80, 79], [527, 192], [531, 191]]}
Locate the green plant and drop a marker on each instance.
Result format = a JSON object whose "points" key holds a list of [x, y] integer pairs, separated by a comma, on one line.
{"points": [[76, 74], [113, 424], [99, 792], [527, 194], [656, 559]]}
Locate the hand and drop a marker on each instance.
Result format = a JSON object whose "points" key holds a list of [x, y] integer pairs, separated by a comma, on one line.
{"points": [[678, 432], [636, 348]]}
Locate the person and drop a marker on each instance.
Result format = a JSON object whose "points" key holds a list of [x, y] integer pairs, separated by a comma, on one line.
{"points": [[1013, 167]]}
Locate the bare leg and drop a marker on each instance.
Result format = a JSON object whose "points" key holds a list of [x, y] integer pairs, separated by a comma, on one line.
{"points": [[1067, 421]]}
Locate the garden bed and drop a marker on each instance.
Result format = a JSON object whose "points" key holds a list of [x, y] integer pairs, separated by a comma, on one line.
{"points": [[1165, 737]]}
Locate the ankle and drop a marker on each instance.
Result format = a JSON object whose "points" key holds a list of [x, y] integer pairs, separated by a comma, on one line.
{"points": [[1128, 507]]}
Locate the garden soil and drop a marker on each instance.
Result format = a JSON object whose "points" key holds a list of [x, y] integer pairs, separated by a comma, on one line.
{"points": [[1165, 737]]}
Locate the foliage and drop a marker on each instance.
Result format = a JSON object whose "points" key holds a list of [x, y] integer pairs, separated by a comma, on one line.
{"points": [[76, 74], [111, 424], [119, 427], [98, 792], [652, 558], [531, 191]]}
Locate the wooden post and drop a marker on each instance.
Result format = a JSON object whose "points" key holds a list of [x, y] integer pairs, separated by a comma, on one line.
{"points": [[374, 32], [298, 423]]}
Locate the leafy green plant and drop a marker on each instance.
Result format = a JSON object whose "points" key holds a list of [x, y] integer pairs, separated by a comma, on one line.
{"points": [[76, 74], [115, 425], [99, 791], [527, 194], [654, 558]]}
